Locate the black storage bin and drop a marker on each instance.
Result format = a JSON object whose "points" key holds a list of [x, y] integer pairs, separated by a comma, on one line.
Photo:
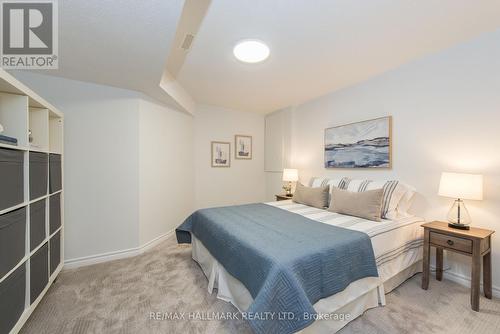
{"points": [[37, 223], [12, 297], [55, 178], [11, 178], [39, 272], [12, 239], [38, 174], [55, 252], [55, 212]]}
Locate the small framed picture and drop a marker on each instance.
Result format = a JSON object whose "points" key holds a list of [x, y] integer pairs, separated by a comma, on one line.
{"points": [[221, 154], [243, 147]]}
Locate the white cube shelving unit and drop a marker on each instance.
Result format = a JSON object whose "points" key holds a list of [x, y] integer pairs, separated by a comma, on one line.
{"points": [[21, 111]]}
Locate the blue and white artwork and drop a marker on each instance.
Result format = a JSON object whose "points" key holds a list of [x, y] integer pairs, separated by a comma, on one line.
{"points": [[364, 144]]}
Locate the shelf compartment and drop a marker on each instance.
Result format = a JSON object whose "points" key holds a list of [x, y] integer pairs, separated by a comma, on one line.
{"points": [[39, 272], [11, 178], [55, 134], [12, 239], [38, 231], [55, 252], [55, 173], [39, 127], [54, 213], [38, 174], [12, 298], [14, 117]]}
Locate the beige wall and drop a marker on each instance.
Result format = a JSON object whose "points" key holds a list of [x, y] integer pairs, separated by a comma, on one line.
{"points": [[244, 181], [446, 117]]}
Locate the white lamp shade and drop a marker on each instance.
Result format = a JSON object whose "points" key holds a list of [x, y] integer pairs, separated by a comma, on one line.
{"points": [[291, 175], [463, 186]]}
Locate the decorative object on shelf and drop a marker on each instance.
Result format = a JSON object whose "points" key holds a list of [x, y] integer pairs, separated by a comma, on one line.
{"points": [[221, 154], [8, 140], [460, 186], [243, 147], [1, 128], [30, 136], [289, 176], [365, 144]]}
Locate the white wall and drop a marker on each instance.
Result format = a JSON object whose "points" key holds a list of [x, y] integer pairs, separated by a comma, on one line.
{"points": [[277, 150], [131, 164], [166, 183], [244, 181], [128, 178], [100, 142], [446, 114]]}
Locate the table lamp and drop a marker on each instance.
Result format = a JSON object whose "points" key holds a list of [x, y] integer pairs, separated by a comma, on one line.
{"points": [[460, 186], [289, 176]]}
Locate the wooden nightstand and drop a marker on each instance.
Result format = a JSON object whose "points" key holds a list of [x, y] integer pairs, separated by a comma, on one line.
{"points": [[283, 197], [475, 243]]}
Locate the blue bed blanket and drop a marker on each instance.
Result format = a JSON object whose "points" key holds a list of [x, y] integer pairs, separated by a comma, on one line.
{"points": [[286, 261]]}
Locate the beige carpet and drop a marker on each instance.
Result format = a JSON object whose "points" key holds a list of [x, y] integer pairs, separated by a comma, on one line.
{"points": [[118, 297]]}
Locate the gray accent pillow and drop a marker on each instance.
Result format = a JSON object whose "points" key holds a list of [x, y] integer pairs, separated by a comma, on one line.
{"points": [[317, 197], [366, 204]]}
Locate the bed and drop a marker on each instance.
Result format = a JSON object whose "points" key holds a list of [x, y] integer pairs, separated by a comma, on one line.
{"points": [[396, 245]]}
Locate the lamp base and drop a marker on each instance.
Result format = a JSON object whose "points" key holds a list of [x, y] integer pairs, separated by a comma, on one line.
{"points": [[459, 226]]}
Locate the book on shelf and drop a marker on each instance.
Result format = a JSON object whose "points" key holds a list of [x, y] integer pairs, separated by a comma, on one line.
{"points": [[8, 140]]}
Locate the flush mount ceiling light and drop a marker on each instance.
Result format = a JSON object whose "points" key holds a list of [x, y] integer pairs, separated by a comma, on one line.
{"points": [[251, 51]]}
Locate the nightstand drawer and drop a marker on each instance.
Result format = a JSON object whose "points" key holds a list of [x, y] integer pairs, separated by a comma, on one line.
{"points": [[447, 241]]}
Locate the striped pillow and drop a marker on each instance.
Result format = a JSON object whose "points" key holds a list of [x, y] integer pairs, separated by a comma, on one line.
{"points": [[316, 182], [393, 192], [324, 181]]}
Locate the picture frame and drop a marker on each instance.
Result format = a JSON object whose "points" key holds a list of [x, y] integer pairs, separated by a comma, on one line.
{"points": [[364, 144], [220, 154], [243, 147]]}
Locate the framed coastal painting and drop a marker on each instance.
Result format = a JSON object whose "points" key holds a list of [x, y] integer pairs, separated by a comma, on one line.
{"points": [[221, 154], [366, 144], [243, 147]]}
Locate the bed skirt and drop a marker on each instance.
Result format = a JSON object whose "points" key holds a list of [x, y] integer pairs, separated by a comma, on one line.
{"points": [[338, 310]]}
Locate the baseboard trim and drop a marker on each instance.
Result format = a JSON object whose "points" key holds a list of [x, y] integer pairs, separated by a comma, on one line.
{"points": [[465, 281], [116, 255]]}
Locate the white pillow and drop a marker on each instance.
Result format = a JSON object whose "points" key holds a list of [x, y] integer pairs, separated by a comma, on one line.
{"points": [[393, 192], [406, 201]]}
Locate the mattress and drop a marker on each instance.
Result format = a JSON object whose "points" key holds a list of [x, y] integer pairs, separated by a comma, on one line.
{"points": [[397, 246]]}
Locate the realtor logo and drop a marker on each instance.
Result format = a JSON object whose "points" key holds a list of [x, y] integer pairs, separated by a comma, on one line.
{"points": [[29, 34]]}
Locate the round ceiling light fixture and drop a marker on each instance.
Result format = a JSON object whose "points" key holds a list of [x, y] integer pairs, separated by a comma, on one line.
{"points": [[251, 51]]}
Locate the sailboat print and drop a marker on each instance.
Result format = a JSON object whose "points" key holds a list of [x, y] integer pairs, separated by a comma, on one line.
{"points": [[220, 156], [243, 150]]}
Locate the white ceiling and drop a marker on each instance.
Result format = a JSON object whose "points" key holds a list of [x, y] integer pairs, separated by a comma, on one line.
{"points": [[319, 46], [118, 43]]}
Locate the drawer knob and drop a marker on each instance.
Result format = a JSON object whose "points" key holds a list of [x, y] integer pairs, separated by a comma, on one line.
{"points": [[450, 242]]}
